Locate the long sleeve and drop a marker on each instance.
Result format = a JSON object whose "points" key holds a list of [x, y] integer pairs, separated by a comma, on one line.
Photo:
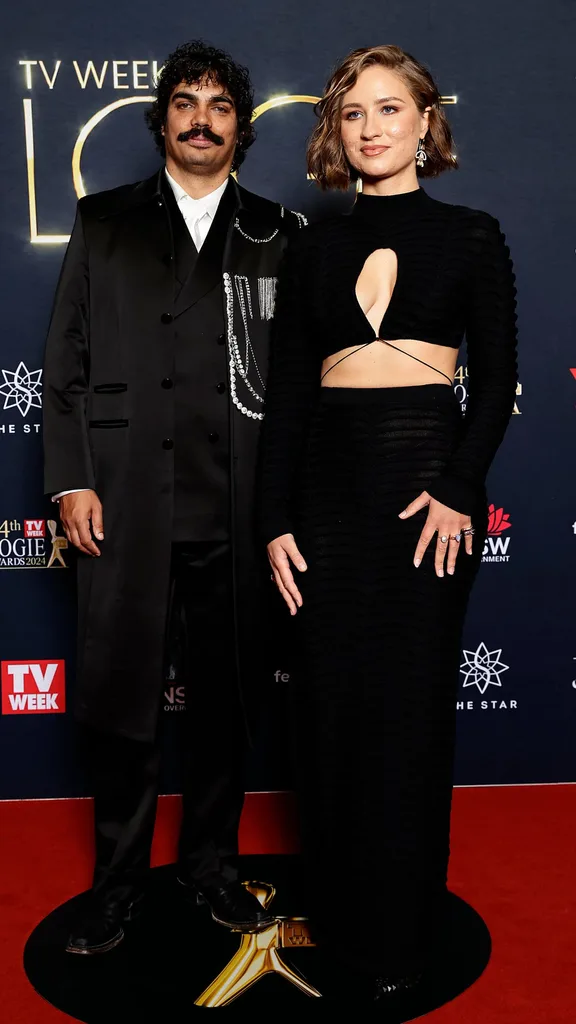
{"points": [[67, 461], [293, 381], [492, 370]]}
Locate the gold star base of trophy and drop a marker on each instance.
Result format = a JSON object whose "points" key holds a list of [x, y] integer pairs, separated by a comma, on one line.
{"points": [[260, 954]]}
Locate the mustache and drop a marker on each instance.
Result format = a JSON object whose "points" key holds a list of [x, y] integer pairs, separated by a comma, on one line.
{"points": [[195, 133]]}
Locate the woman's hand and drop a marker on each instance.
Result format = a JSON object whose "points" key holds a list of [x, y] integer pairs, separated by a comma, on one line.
{"points": [[281, 552], [451, 526]]}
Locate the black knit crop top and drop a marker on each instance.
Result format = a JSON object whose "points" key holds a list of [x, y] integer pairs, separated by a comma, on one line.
{"points": [[454, 277]]}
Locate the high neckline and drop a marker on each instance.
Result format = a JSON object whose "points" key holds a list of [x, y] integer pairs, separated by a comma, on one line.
{"points": [[375, 208]]}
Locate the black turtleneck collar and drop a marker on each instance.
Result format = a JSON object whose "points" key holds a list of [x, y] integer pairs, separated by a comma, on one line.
{"points": [[374, 208]]}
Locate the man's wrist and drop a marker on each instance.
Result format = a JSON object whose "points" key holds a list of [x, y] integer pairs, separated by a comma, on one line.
{"points": [[75, 490]]}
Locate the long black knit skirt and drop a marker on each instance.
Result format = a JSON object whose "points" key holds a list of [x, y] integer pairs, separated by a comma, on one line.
{"points": [[376, 695]]}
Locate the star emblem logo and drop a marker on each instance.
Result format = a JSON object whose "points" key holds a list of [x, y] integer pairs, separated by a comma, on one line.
{"points": [[22, 389], [482, 668]]}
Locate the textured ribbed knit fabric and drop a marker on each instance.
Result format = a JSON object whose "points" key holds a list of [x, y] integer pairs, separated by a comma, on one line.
{"points": [[455, 277], [375, 693]]}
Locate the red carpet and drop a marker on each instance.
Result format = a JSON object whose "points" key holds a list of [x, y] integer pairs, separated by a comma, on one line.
{"points": [[513, 860]]}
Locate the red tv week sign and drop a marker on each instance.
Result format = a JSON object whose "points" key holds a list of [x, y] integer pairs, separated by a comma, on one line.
{"points": [[34, 528], [33, 687]]}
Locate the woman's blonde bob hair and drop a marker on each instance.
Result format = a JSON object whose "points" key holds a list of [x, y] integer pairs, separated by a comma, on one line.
{"points": [[327, 161]]}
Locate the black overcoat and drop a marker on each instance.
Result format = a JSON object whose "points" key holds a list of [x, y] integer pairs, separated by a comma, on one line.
{"points": [[106, 416]]}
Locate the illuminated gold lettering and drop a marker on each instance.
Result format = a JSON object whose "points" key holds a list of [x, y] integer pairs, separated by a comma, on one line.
{"points": [[155, 72], [85, 132], [49, 80], [30, 169], [90, 70], [28, 65], [117, 74], [281, 101], [139, 74], [83, 78]]}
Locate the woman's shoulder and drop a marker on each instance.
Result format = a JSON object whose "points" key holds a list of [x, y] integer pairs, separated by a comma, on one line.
{"points": [[478, 222], [319, 234], [316, 238]]}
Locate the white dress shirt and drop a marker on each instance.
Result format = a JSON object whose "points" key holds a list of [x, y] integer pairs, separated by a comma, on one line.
{"points": [[198, 215]]}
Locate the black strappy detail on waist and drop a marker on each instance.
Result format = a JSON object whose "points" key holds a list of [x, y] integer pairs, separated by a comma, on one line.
{"points": [[389, 343]]}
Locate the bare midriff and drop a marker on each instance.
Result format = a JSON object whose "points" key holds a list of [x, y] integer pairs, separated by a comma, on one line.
{"points": [[383, 363], [378, 365]]}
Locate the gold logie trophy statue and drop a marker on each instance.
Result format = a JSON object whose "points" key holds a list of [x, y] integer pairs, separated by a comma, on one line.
{"points": [[58, 545], [259, 954]]}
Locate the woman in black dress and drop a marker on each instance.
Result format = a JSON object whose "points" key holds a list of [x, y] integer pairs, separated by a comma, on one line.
{"points": [[374, 505]]}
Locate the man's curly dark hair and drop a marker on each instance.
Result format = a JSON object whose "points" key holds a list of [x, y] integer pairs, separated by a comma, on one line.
{"points": [[191, 63]]}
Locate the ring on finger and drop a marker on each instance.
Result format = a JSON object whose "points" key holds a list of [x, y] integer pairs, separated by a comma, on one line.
{"points": [[468, 531], [443, 539], [456, 536]]}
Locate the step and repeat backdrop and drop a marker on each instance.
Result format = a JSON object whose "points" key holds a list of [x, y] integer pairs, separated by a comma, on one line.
{"points": [[76, 82]]}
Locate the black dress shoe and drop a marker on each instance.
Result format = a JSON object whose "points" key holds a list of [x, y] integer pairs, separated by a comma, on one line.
{"points": [[102, 926], [232, 905], [387, 988]]}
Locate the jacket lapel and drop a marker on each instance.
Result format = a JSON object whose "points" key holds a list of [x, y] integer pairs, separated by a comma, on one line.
{"points": [[258, 222], [185, 252], [206, 271]]}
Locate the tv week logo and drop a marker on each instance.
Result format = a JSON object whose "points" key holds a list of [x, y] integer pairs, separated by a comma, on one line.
{"points": [[34, 528], [33, 687]]}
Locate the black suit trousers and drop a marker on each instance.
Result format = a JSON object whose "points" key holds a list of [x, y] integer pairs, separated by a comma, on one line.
{"points": [[124, 773]]}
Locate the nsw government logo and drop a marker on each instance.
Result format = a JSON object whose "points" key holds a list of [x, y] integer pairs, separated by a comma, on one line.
{"points": [[31, 544], [497, 541], [21, 390], [175, 697], [33, 687], [483, 669]]}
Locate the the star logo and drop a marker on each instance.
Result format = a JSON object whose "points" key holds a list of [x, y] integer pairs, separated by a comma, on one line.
{"points": [[482, 668], [22, 389]]}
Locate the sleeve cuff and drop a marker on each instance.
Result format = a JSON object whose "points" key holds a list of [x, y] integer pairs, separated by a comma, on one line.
{"points": [[75, 490], [456, 493], [271, 529]]}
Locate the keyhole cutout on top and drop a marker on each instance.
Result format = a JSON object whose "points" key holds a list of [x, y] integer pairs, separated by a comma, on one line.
{"points": [[375, 286]]}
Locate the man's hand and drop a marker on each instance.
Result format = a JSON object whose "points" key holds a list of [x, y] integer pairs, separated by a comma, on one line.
{"points": [[77, 512]]}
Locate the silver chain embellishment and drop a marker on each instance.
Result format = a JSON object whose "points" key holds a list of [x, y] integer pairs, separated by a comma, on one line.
{"points": [[236, 366], [302, 220], [243, 292], [267, 296], [249, 238], [245, 295]]}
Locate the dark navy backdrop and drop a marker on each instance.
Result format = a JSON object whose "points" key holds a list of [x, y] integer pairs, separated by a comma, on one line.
{"points": [[510, 67]]}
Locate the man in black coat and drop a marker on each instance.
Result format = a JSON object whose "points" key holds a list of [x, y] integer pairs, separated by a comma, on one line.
{"points": [[154, 371]]}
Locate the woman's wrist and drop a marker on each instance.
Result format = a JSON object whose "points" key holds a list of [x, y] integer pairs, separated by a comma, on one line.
{"points": [[458, 494]]}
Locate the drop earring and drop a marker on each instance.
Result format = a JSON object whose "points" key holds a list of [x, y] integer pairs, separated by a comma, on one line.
{"points": [[421, 154]]}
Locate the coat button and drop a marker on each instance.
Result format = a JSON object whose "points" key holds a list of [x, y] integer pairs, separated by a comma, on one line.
{"points": [[213, 437], [221, 388], [167, 383], [167, 444], [166, 318], [221, 339]]}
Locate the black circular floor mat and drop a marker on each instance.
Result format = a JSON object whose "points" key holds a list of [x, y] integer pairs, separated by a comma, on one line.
{"points": [[174, 952]]}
